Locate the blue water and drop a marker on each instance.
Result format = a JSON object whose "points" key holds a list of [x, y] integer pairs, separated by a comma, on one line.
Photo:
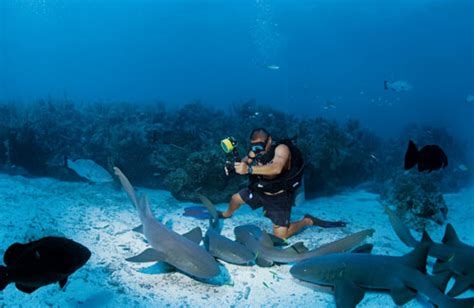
{"points": [[218, 52]]}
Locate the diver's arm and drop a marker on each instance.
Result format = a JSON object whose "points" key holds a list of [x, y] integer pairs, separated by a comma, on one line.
{"points": [[282, 154]]}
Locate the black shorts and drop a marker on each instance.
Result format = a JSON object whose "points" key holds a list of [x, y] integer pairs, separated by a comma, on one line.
{"points": [[276, 207]]}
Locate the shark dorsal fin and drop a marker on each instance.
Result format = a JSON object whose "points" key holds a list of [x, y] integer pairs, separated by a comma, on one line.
{"points": [[441, 280], [266, 240], [426, 238], [195, 235], [417, 258], [450, 237]]}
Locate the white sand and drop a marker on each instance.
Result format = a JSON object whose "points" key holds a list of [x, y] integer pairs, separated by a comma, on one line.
{"points": [[101, 217]]}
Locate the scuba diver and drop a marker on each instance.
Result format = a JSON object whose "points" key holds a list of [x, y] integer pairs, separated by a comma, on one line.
{"points": [[275, 171]]}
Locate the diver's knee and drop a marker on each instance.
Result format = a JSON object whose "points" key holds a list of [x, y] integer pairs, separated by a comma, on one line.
{"points": [[237, 199]]}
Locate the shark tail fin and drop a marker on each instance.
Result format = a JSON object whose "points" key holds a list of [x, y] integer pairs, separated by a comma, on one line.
{"points": [[450, 236], [400, 229], [417, 258], [127, 186], [4, 281]]}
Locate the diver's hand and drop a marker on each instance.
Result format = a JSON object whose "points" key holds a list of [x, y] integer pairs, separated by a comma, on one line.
{"points": [[241, 168]]}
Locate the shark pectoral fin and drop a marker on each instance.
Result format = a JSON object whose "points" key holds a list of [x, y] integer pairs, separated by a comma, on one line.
{"points": [[300, 247], [263, 262], [25, 289], [149, 255], [347, 293], [441, 266], [62, 282], [138, 229], [366, 248], [402, 295], [195, 235], [462, 284]]}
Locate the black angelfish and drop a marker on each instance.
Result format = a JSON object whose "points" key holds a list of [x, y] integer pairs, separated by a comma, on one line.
{"points": [[42, 262], [430, 157]]}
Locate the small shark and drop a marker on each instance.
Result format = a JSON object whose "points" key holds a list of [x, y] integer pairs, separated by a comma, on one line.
{"points": [[261, 244], [349, 274], [220, 246], [453, 255], [182, 252]]}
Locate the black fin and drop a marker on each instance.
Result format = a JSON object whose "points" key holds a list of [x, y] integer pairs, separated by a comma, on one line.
{"points": [[366, 248], [62, 282], [402, 295], [4, 281], [25, 289], [411, 155], [450, 236], [385, 84]]}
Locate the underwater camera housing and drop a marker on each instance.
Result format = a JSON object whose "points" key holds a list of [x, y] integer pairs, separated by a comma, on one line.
{"points": [[229, 146]]}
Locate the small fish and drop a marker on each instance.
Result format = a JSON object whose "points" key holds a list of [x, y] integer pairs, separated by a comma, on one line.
{"points": [[373, 157], [397, 86], [429, 158], [463, 167], [39, 263], [273, 67], [89, 170], [329, 105], [470, 98]]}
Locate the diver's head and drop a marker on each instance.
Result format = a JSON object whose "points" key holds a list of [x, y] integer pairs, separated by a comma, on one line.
{"points": [[260, 142]]}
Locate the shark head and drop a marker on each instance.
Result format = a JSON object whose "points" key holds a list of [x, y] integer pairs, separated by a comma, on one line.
{"points": [[320, 270]]}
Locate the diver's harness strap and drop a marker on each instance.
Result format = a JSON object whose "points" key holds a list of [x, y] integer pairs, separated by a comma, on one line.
{"points": [[288, 181]]}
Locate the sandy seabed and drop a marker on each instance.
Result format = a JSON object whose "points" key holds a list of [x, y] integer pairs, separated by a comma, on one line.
{"points": [[101, 218]]}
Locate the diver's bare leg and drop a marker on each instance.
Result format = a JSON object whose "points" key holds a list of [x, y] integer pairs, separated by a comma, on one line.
{"points": [[234, 204], [295, 227]]}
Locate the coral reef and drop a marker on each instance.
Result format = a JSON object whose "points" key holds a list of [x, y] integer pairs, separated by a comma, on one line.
{"points": [[417, 197], [179, 150]]}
